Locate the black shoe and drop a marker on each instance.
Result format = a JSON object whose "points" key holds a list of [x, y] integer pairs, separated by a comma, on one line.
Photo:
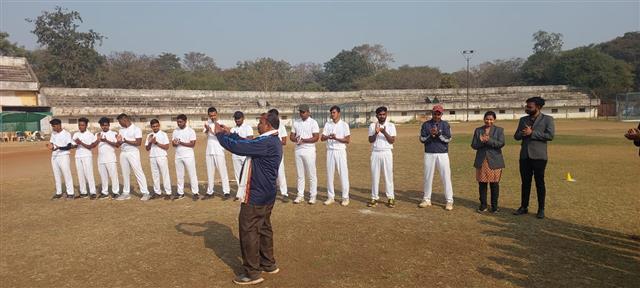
{"points": [[540, 214], [207, 196], [273, 270], [167, 197], [93, 196], [495, 210], [178, 197], [246, 280], [482, 209], [155, 196], [115, 196], [70, 197], [285, 199], [195, 197], [82, 196], [56, 196], [521, 211], [226, 196], [103, 196]]}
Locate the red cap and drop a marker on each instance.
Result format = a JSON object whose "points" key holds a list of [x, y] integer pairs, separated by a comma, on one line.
{"points": [[438, 108]]}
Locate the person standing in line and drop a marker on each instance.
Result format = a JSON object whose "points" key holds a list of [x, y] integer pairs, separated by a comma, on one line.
{"points": [[60, 144], [337, 135], [488, 141], [244, 131], [214, 156], [184, 140], [282, 178], [382, 135], [157, 143], [435, 134], [129, 138], [305, 132], [85, 141], [107, 161], [534, 130]]}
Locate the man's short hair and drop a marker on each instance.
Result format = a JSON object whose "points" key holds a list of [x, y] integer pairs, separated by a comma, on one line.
{"points": [[55, 121], [104, 120], [122, 116], [536, 100], [212, 109], [334, 107], [272, 119], [381, 109], [274, 110], [182, 117], [83, 120], [154, 121], [238, 114]]}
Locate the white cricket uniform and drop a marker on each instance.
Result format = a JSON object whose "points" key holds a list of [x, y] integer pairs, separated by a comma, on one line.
{"points": [[159, 163], [60, 161], [214, 156], [305, 155], [243, 131], [282, 178], [382, 158], [337, 157], [185, 158], [107, 163], [130, 160], [84, 162]]}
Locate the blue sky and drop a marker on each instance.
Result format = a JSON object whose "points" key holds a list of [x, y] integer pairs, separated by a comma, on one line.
{"points": [[416, 32]]}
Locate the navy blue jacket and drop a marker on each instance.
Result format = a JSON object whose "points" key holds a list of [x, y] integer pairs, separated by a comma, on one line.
{"points": [[439, 143], [266, 154]]}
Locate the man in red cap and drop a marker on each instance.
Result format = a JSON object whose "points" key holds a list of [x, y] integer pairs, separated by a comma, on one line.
{"points": [[435, 134]]}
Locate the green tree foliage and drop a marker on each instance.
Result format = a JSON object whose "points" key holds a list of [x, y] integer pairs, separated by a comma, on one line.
{"points": [[627, 49], [546, 48], [198, 62], [405, 77], [263, 74], [10, 49], [448, 81], [546, 42], [499, 73], [377, 56], [344, 70]]}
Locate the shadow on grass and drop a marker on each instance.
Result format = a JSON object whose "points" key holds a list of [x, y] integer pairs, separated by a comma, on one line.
{"points": [[219, 238]]}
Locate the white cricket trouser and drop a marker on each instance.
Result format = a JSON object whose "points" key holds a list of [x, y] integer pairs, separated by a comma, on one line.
{"points": [[107, 170], [84, 167], [382, 160], [306, 162], [190, 164], [62, 168], [337, 158], [430, 162], [282, 179], [160, 166], [217, 162], [131, 160], [237, 167]]}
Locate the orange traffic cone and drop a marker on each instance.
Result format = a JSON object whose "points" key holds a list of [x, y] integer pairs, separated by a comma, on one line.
{"points": [[569, 178]]}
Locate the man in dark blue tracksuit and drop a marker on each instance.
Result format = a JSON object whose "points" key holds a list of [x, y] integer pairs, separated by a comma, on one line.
{"points": [[258, 176]]}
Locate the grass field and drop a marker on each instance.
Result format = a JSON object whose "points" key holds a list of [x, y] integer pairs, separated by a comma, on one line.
{"points": [[585, 241]]}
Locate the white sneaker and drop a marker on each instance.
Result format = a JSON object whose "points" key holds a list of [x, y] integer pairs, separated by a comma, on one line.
{"points": [[424, 204], [449, 206], [124, 196], [329, 201], [312, 201], [145, 197], [345, 202], [298, 200]]}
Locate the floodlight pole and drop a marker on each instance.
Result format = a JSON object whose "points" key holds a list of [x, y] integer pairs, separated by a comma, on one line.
{"points": [[467, 56]]}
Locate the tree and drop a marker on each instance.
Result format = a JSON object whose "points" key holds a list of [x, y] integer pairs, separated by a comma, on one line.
{"points": [[625, 48], [546, 48], [305, 77], [263, 74], [448, 81], [197, 62], [546, 42], [10, 49], [405, 77], [130, 71], [344, 70], [376, 56], [72, 59], [499, 73]]}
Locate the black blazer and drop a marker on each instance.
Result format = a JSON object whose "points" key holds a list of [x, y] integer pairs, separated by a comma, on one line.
{"points": [[492, 150], [534, 146]]}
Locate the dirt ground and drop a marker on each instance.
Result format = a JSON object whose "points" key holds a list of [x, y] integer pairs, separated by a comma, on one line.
{"points": [[585, 241]]}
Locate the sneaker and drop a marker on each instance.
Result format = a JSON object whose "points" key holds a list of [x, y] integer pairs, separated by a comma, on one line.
{"points": [[93, 196], [482, 209], [207, 196], [124, 196], [495, 210], [155, 196], [103, 196], [245, 280], [272, 270], [312, 201], [424, 204], [391, 203], [178, 197], [372, 203], [70, 197], [195, 196], [167, 197], [329, 201], [449, 206], [226, 196], [521, 211], [115, 196], [298, 200], [56, 196], [345, 202], [540, 214], [145, 197], [83, 196], [285, 198]]}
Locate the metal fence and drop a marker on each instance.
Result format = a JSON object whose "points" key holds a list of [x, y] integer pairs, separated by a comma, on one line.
{"points": [[356, 114], [628, 106]]}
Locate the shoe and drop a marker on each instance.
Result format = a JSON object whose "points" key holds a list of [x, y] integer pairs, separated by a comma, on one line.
{"points": [[103, 196], [482, 209], [83, 196], [372, 203], [155, 196], [167, 197], [115, 196], [345, 202], [178, 197], [207, 196], [70, 197], [285, 198], [245, 280], [56, 196], [391, 203], [540, 214], [226, 196], [145, 197], [424, 204], [124, 196], [272, 271], [312, 201], [494, 210], [521, 211], [195, 196], [448, 206], [93, 196], [329, 201], [298, 200]]}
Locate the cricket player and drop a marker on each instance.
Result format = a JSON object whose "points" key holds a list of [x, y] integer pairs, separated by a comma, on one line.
{"points": [[60, 144], [305, 133], [184, 139], [244, 131], [282, 178], [157, 143], [435, 134], [129, 138], [337, 135], [215, 157], [107, 163], [84, 142], [382, 135]]}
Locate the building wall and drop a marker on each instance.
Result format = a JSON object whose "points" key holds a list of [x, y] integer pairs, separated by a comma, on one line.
{"points": [[18, 98]]}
